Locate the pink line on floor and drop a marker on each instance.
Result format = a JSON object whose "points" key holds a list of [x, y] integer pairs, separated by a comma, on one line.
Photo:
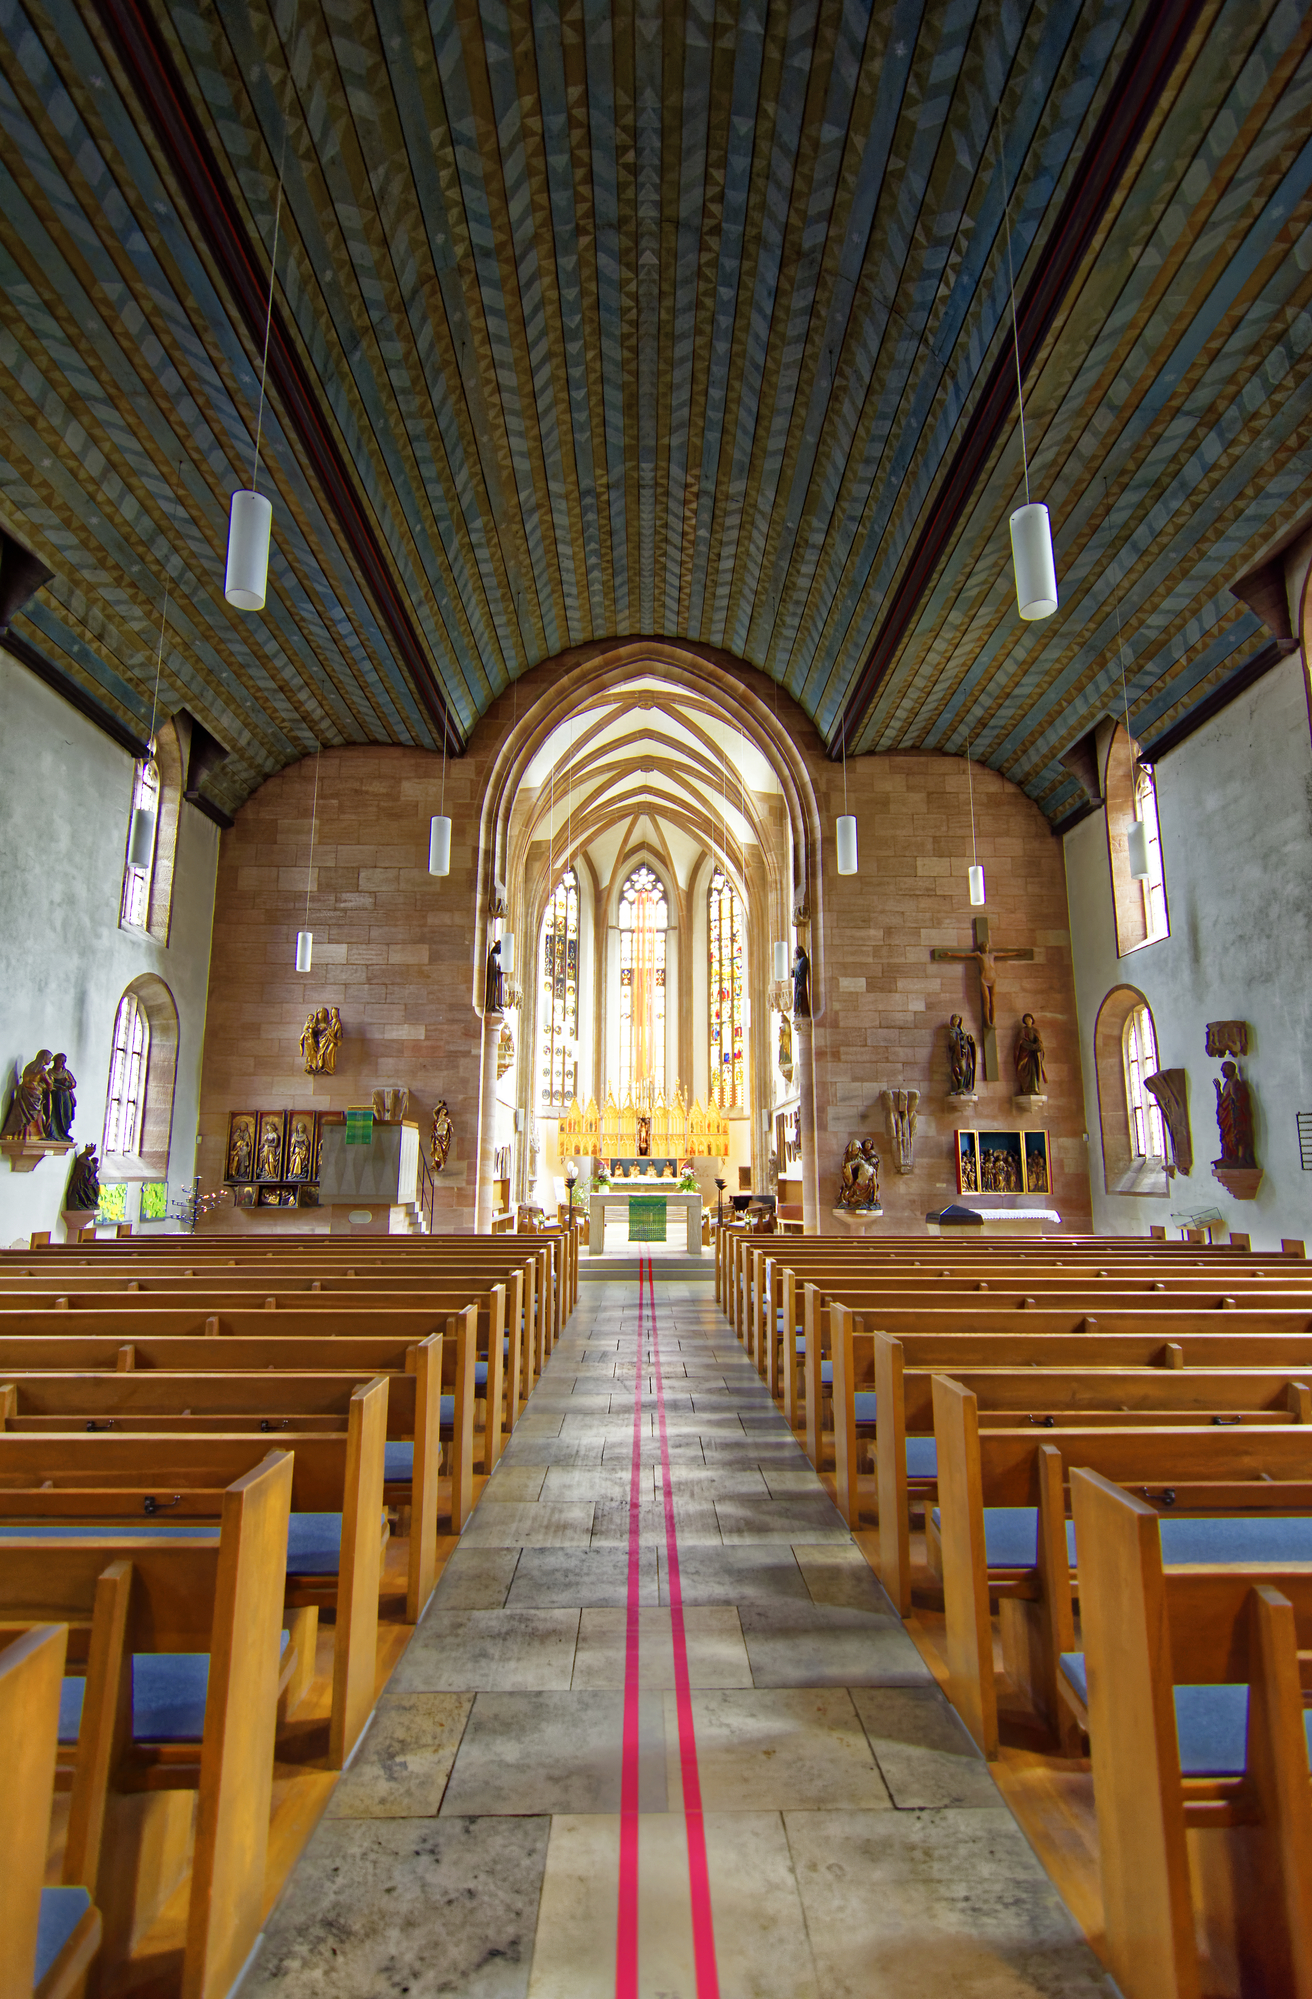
{"points": [[626, 1933], [699, 1885]]}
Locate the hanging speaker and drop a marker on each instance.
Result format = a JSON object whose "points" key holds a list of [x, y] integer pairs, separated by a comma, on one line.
{"points": [[508, 953], [976, 887], [304, 949], [1032, 559], [781, 961], [250, 523], [1138, 843], [141, 840], [439, 846], [846, 831]]}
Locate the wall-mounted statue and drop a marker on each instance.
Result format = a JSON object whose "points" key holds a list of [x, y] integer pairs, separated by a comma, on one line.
{"points": [[505, 1050], [961, 1058], [785, 1048], [268, 1159], [1031, 1077], [29, 1113], [1169, 1086], [321, 1037], [443, 1135], [494, 985], [1227, 1037], [1234, 1117], [801, 984], [900, 1120], [83, 1195], [858, 1188], [298, 1151], [63, 1103], [241, 1150]]}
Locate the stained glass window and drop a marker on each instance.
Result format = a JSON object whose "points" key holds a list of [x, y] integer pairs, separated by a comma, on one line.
{"points": [[728, 1083], [1154, 889], [1147, 1130], [558, 1010], [644, 918], [127, 1078]]}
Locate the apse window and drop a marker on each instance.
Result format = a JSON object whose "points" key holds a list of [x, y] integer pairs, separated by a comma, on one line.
{"points": [[127, 1078], [1147, 1129], [725, 992], [139, 865], [1153, 885], [559, 1015], [644, 917]]}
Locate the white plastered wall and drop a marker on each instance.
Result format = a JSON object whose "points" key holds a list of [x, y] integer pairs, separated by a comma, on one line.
{"points": [[65, 795], [1235, 808]]}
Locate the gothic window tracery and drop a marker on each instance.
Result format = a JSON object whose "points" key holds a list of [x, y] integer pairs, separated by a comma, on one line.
{"points": [[725, 970], [559, 994], [1147, 1131], [127, 1078], [644, 916]]}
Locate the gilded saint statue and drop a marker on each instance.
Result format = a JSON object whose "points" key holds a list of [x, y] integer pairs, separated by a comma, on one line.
{"points": [[858, 1189], [298, 1152], [321, 1037], [240, 1150], [443, 1134], [29, 1112], [269, 1163], [62, 1101], [1031, 1078]]}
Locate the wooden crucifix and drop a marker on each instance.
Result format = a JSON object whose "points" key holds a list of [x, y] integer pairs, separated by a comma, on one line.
{"points": [[985, 958]]}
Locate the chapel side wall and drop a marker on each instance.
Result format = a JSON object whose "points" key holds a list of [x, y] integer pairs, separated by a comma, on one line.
{"points": [[393, 949], [883, 1012], [1234, 804], [67, 791]]}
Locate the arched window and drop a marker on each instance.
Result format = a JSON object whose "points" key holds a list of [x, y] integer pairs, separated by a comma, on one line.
{"points": [[724, 986], [644, 919], [134, 913], [1154, 889], [127, 1078], [559, 994], [1147, 1131]]}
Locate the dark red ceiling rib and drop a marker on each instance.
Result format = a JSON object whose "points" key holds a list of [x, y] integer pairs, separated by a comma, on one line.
{"points": [[244, 271], [1153, 55]]}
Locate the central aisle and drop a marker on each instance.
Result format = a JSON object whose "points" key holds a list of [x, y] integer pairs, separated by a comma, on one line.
{"points": [[521, 1817]]}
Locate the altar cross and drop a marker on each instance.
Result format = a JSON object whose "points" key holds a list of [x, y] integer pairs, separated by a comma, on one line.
{"points": [[984, 957]]}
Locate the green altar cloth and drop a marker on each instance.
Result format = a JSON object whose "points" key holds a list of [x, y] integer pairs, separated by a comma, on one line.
{"points": [[646, 1218]]}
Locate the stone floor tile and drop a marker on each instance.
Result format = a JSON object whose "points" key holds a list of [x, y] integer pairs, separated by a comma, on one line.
{"points": [[553, 1752], [377, 1907], [511, 1482], [502, 1651], [798, 1748], [761, 1942], [606, 1482], [473, 1579], [585, 1578], [925, 1755], [578, 1452], [742, 1574], [401, 1767], [917, 1905], [817, 1645], [545, 1525], [841, 1576], [794, 1519], [695, 1520], [713, 1637]]}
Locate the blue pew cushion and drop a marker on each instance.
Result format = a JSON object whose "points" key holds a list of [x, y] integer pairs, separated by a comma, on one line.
{"points": [[800, 1343], [398, 1463], [314, 1544], [1242, 1540], [62, 1909], [480, 1374], [1011, 1536], [102, 1530], [826, 1374], [922, 1456], [447, 1413], [1211, 1723], [864, 1401], [168, 1697]]}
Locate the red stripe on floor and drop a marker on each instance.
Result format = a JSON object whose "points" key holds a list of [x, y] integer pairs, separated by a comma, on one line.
{"points": [[626, 1937], [699, 1885]]}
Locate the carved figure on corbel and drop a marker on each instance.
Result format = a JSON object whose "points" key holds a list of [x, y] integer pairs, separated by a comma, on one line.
{"points": [[900, 1120], [1170, 1087]]}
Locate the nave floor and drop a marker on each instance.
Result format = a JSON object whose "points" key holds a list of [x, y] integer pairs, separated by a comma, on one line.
{"points": [[518, 1821]]}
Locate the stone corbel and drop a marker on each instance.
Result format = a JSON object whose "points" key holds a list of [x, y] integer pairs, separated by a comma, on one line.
{"points": [[900, 1120], [1170, 1087]]}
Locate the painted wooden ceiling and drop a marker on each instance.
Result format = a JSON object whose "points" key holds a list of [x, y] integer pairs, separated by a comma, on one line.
{"points": [[690, 321]]}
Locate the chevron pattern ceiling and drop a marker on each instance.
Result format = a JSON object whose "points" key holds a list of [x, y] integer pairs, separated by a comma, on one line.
{"points": [[687, 320]]}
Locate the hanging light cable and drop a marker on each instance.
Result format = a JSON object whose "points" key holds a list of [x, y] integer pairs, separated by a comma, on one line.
{"points": [[141, 837], [781, 944], [1031, 529], [846, 827], [1137, 841], [250, 514], [439, 828], [305, 938], [975, 872]]}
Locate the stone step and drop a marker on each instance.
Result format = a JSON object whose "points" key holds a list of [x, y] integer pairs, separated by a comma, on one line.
{"points": [[623, 1267]]}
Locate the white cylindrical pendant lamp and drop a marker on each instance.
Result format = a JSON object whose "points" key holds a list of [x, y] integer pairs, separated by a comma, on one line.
{"points": [[508, 953], [977, 887], [1138, 844], [304, 949], [846, 831], [141, 840], [781, 961], [439, 845], [250, 523], [1032, 559]]}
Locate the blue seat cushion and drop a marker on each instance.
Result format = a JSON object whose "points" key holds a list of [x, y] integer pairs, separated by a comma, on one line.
{"points": [[314, 1544], [168, 1697], [100, 1530], [62, 1909], [922, 1457], [447, 1413], [398, 1463], [826, 1374], [800, 1343], [1011, 1536], [1251, 1539], [864, 1402], [1211, 1723], [480, 1374]]}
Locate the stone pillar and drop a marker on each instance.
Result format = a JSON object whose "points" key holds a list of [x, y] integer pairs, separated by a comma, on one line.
{"points": [[803, 1057], [487, 1121]]}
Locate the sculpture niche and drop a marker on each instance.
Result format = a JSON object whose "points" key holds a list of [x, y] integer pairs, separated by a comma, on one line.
{"points": [[858, 1187], [1237, 1168], [321, 1037], [900, 1120], [961, 1059]]}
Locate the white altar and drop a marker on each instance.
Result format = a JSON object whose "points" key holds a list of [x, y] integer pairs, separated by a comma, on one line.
{"points": [[616, 1199]]}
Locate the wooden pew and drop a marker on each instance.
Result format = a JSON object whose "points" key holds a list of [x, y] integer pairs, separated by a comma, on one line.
{"points": [[1218, 1472], [49, 1937], [1247, 1813], [69, 1477]]}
